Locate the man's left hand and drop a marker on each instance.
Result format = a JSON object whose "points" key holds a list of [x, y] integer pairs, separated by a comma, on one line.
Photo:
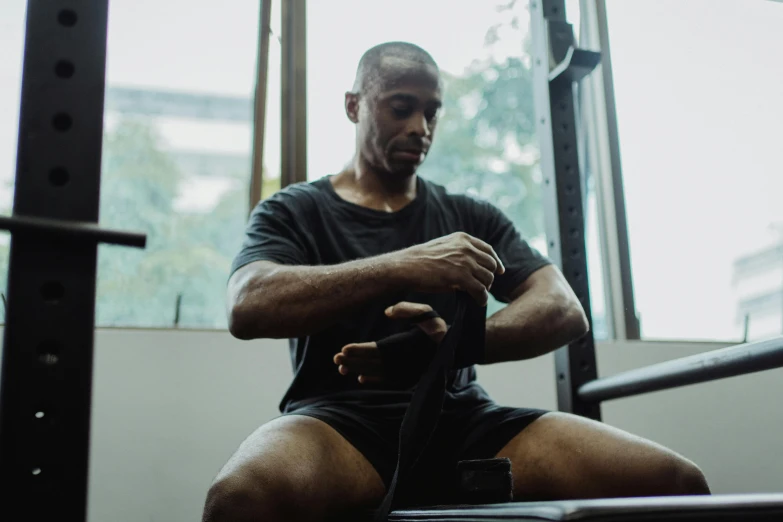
{"points": [[364, 359]]}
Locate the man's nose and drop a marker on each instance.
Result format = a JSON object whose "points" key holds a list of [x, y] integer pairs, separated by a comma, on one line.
{"points": [[419, 126]]}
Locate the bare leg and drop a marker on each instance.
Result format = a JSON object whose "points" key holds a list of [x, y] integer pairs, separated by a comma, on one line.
{"points": [[562, 456], [294, 468]]}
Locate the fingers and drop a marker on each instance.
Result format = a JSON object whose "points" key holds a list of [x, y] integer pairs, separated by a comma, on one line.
{"points": [[477, 291], [436, 327], [361, 358], [484, 276], [406, 310], [492, 262]]}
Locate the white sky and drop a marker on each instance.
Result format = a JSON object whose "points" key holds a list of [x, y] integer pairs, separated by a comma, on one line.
{"points": [[698, 92]]}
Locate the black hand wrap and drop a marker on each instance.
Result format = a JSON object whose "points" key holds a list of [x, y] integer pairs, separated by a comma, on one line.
{"points": [[425, 407], [408, 354], [405, 356]]}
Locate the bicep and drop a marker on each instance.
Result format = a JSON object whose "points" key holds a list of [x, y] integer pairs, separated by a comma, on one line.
{"points": [[548, 280]]}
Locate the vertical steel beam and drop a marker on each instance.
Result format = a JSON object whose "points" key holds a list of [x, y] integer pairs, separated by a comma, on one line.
{"points": [[557, 65], [45, 391]]}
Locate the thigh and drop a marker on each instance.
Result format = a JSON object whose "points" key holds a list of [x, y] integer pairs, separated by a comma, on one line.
{"points": [[307, 461], [563, 456]]}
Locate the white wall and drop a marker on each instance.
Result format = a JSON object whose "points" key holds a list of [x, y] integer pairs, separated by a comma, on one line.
{"points": [[170, 407]]}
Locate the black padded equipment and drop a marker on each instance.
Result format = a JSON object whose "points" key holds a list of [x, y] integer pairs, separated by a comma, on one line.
{"points": [[485, 481]]}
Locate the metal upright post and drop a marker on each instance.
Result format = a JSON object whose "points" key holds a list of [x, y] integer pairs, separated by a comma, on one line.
{"points": [[558, 64], [294, 96], [46, 383]]}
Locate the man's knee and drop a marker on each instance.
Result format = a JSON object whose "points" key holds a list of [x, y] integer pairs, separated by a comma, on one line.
{"points": [[689, 479], [239, 498], [678, 476]]}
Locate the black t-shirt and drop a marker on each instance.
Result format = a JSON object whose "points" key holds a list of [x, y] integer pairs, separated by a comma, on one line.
{"points": [[310, 224]]}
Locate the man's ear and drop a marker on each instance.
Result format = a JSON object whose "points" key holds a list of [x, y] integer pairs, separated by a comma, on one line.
{"points": [[352, 106]]}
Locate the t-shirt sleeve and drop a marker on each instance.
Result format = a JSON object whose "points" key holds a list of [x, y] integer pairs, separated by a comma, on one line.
{"points": [[275, 233], [519, 258]]}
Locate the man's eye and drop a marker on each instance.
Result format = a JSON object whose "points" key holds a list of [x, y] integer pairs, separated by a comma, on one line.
{"points": [[402, 112], [431, 115]]}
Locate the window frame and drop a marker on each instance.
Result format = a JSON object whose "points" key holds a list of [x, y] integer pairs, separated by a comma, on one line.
{"points": [[259, 105], [599, 117]]}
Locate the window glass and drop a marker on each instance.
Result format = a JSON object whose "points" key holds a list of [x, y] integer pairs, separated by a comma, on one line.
{"points": [[12, 22], [177, 157], [697, 87]]}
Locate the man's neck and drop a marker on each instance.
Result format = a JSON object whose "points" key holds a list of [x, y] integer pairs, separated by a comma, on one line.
{"points": [[367, 187]]}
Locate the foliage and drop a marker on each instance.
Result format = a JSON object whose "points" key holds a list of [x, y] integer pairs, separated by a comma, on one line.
{"points": [[187, 253], [485, 146], [485, 143]]}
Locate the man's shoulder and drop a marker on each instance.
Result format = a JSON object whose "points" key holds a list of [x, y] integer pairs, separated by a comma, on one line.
{"points": [[467, 201], [296, 196]]}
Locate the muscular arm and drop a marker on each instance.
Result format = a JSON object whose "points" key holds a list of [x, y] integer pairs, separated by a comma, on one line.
{"points": [[544, 315], [276, 301]]}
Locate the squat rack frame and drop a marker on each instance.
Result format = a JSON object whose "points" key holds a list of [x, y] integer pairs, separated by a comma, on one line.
{"points": [[46, 380]]}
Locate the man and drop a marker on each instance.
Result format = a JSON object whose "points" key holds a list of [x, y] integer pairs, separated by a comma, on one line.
{"points": [[340, 263]]}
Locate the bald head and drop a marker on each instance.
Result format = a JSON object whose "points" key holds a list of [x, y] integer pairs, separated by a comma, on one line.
{"points": [[388, 62], [394, 104]]}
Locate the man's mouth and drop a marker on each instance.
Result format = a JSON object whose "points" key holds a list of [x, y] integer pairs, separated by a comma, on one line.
{"points": [[409, 154]]}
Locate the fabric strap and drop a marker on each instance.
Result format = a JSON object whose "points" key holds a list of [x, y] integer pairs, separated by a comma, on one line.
{"points": [[466, 335]]}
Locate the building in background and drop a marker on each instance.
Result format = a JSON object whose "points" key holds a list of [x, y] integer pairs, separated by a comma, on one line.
{"points": [[758, 285], [209, 138]]}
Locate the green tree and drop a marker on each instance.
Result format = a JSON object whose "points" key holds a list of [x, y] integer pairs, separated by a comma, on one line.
{"points": [[187, 253], [486, 135]]}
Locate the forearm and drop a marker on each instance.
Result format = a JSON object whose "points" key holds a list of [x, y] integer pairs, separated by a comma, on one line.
{"points": [[533, 325], [282, 301]]}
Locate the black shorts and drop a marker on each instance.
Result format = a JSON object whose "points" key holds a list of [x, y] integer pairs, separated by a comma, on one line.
{"points": [[467, 430]]}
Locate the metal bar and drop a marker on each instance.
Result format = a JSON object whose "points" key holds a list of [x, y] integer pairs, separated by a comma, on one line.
{"points": [[46, 385], [553, 42], [72, 231], [620, 231], [294, 93], [754, 507], [709, 366], [259, 109]]}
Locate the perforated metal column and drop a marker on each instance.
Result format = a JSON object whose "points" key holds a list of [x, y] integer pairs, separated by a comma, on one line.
{"points": [[48, 349], [557, 66]]}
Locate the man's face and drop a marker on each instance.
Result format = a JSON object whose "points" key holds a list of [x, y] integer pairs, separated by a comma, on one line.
{"points": [[397, 117]]}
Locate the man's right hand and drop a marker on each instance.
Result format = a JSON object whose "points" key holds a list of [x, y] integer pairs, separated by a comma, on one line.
{"points": [[457, 261]]}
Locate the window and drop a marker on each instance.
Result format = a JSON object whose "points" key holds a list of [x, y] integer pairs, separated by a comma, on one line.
{"points": [[12, 20], [698, 103], [177, 157], [486, 143], [177, 152]]}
